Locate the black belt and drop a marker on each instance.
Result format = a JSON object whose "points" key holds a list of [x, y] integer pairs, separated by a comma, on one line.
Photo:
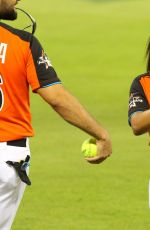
{"points": [[18, 143]]}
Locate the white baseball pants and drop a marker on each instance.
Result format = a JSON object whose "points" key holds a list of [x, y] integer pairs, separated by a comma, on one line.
{"points": [[11, 187]]}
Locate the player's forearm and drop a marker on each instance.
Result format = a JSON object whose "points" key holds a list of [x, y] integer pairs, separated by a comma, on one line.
{"points": [[140, 122], [68, 107], [73, 112]]}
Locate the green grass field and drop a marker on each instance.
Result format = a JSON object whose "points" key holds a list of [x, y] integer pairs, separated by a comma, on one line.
{"points": [[97, 48]]}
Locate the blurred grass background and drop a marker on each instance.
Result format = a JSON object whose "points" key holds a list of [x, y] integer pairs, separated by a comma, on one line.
{"points": [[97, 48]]}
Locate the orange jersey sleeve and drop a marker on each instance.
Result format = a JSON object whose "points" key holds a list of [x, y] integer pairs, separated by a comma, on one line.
{"points": [[23, 63]]}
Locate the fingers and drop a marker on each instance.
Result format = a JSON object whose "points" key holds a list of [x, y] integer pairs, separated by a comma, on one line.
{"points": [[104, 150], [96, 160]]}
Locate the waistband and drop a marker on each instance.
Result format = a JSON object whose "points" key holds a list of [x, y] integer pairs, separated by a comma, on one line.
{"points": [[18, 143]]}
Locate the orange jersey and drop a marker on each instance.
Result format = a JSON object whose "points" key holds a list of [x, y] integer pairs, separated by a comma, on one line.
{"points": [[22, 63]]}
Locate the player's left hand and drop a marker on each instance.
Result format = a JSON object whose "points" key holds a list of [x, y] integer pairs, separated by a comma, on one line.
{"points": [[104, 150]]}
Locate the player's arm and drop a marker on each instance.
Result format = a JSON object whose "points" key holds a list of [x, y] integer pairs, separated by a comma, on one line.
{"points": [[140, 122], [44, 80], [139, 112], [69, 108]]}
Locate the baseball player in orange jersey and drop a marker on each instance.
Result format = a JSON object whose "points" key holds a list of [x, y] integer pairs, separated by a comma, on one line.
{"points": [[23, 63], [139, 101]]}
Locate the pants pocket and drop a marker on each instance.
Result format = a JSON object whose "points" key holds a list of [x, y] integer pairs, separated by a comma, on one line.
{"points": [[8, 176]]}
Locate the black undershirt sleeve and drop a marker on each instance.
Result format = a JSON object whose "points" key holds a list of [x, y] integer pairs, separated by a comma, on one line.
{"points": [[137, 99], [45, 72]]}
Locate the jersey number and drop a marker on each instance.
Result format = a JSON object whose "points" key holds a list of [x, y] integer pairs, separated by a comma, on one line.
{"points": [[1, 94]]}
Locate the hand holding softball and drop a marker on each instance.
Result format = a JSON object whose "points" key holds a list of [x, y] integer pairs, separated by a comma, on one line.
{"points": [[96, 151]]}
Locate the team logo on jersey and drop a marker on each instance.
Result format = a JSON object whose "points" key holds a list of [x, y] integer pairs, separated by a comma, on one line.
{"points": [[3, 49], [134, 100], [44, 60]]}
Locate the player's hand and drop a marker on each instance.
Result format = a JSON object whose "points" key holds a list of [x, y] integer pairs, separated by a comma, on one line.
{"points": [[104, 150]]}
